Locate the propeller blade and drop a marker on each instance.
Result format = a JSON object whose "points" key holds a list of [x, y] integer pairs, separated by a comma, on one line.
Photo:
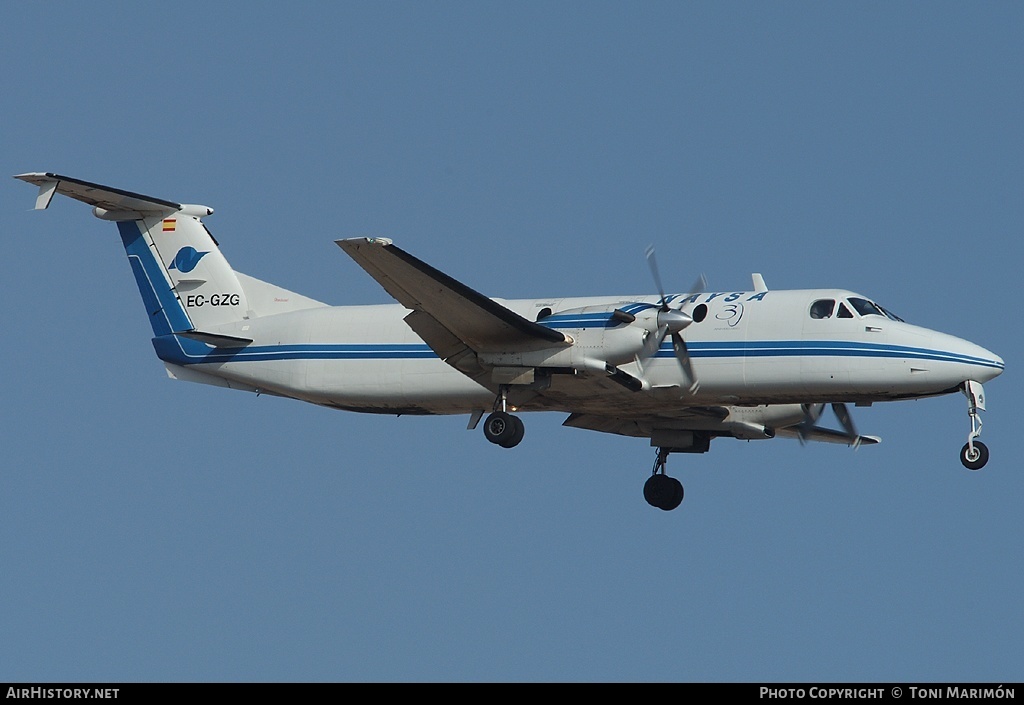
{"points": [[700, 285], [812, 412], [653, 342], [670, 322], [846, 421], [652, 262], [683, 356]]}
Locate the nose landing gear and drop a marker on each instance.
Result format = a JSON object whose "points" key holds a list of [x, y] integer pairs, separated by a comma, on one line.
{"points": [[974, 454]]}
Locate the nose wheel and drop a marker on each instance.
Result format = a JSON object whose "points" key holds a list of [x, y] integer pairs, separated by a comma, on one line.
{"points": [[660, 490], [974, 454]]}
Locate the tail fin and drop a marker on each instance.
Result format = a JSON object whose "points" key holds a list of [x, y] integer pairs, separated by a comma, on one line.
{"points": [[178, 264], [186, 283]]}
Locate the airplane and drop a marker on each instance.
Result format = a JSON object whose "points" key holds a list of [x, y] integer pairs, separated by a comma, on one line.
{"points": [[678, 369]]}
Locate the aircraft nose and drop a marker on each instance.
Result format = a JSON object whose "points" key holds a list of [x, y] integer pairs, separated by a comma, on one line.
{"points": [[969, 361], [987, 363]]}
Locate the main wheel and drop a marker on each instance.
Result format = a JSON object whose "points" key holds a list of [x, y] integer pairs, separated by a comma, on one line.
{"points": [[974, 460], [663, 492], [500, 428], [517, 436]]}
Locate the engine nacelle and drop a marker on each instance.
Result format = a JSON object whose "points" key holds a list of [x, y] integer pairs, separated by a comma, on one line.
{"points": [[600, 336], [614, 335]]}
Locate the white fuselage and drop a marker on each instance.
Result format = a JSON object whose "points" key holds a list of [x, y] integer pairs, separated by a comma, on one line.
{"points": [[748, 349]]}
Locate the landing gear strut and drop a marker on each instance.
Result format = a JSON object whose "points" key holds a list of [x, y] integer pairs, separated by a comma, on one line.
{"points": [[501, 427], [660, 490], [974, 454]]}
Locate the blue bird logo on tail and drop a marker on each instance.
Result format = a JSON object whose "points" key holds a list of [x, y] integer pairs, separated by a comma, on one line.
{"points": [[187, 259]]}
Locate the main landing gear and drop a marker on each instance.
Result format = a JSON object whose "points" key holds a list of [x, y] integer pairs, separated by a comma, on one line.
{"points": [[660, 490], [974, 454], [501, 427], [504, 429]]}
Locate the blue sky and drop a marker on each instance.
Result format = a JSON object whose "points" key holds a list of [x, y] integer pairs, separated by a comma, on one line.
{"points": [[153, 530]]}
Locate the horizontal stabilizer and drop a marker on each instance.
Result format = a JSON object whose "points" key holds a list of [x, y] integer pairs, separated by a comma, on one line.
{"points": [[106, 197], [216, 340]]}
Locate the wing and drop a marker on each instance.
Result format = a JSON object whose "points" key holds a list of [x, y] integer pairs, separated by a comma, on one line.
{"points": [[709, 420], [447, 313], [459, 323], [698, 418]]}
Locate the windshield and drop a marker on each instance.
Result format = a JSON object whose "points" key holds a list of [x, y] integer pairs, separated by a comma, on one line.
{"points": [[870, 308], [865, 307], [890, 315]]}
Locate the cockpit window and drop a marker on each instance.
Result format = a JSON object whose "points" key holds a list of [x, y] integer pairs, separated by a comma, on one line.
{"points": [[889, 314], [822, 308], [844, 312], [865, 307]]}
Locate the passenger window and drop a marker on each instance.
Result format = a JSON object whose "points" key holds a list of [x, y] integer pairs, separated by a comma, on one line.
{"points": [[844, 312], [822, 308]]}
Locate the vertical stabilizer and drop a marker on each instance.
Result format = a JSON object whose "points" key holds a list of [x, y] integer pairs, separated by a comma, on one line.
{"points": [[199, 278]]}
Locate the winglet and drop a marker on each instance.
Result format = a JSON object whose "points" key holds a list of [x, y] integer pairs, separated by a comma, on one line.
{"points": [[759, 285]]}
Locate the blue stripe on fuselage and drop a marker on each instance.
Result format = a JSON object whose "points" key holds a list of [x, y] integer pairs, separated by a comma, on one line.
{"points": [[185, 351], [823, 348]]}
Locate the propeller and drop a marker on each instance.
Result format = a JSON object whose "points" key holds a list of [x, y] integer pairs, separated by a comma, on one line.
{"points": [[812, 412], [846, 421], [670, 322]]}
